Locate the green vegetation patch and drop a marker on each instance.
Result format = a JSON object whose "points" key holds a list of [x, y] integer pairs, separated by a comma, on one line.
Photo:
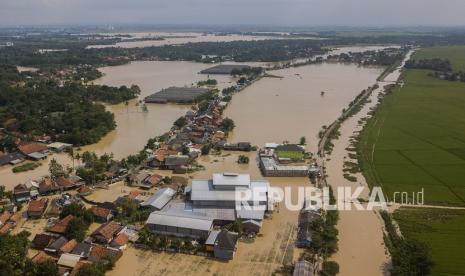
{"points": [[26, 167], [293, 155], [455, 54], [442, 230], [416, 138]]}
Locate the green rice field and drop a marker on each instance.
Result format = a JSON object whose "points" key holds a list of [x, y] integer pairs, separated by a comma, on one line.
{"points": [[443, 230], [416, 140]]}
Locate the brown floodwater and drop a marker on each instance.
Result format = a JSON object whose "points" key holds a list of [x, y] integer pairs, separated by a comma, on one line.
{"points": [[182, 38], [277, 110], [134, 126], [270, 110]]}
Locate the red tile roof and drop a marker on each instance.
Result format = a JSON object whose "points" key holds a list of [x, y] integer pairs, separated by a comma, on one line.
{"points": [[4, 217], [154, 179], [42, 257], [108, 230], [60, 227], [133, 194], [100, 212], [69, 246], [121, 239], [6, 228], [100, 252], [64, 182], [31, 148], [38, 205]]}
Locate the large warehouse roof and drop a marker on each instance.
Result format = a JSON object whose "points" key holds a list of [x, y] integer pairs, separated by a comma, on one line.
{"points": [[176, 94], [181, 219]]}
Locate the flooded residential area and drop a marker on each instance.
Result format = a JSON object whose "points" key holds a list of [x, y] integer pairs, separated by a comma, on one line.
{"points": [[138, 149]]}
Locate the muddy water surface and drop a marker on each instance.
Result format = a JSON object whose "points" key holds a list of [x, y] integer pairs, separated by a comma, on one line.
{"points": [[275, 110]]}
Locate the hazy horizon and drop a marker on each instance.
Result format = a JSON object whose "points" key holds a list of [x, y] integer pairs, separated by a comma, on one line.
{"points": [[239, 12]]}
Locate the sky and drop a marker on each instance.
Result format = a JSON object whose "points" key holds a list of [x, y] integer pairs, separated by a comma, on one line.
{"points": [[240, 12]]}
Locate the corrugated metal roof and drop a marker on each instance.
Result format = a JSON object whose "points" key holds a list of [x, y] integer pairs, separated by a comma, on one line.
{"points": [[69, 260], [251, 214], [212, 237], [231, 179], [303, 268], [181, 219], [160, 198], [177, 94], [205, 191]]}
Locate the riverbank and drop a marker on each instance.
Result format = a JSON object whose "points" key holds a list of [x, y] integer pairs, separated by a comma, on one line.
{"points": [[361, 244]]}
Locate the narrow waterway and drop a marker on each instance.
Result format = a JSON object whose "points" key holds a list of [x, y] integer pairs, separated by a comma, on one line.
{"points": [[361, 246]]}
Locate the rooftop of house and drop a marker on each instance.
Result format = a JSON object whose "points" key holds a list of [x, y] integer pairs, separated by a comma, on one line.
{"points": [[82, 249], [303, 268], [4, 217], [68, 260], [60, 226], [99, 252], [69, 246], [41, 241], [100, 211], [42, 257], [38, 205], [57, 244], [108, 230], [64, 182], [120, 240], [227, 240], [29, 148]]}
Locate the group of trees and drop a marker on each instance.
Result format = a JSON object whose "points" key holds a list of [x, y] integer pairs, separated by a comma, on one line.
{"points": [[385, 57], [248, 71], [435, 64], [14, 261], [227, 124], [94, 166], [207, 82], [409, 256], [78, 226], [66, 111]]}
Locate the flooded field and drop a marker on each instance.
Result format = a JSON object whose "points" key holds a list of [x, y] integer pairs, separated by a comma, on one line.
{"points": [[134, 126], [275, 110], [270, 110], [180, 38], [263, 112]]}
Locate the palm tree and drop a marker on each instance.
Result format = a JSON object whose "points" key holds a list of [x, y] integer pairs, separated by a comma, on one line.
{"points": [[71, 154]]}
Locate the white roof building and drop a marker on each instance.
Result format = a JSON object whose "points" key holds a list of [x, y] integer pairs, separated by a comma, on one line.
{"points": [[227, 189], [69, 260], [159, 199], [181, 219]]}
